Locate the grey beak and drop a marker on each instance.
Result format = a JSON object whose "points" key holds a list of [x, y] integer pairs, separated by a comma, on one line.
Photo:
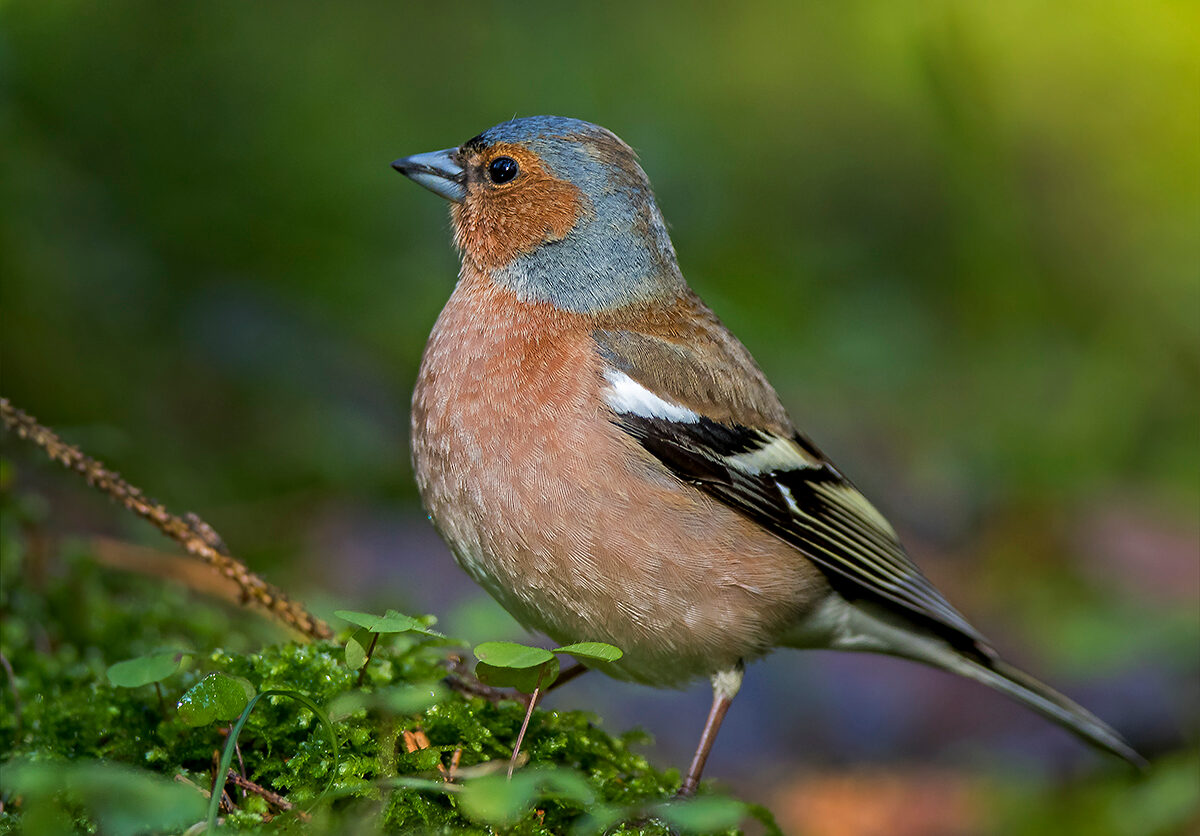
{"points": [[437, 171]]}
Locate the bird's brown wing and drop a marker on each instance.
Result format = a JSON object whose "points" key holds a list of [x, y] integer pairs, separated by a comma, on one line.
{"points": [[769, 472]]}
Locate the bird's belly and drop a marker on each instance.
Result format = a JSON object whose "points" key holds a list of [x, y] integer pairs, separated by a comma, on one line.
{"points": [[576, 531]]}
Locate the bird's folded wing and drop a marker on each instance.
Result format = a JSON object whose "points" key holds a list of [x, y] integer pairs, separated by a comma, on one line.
{"points": [[765, 470]]}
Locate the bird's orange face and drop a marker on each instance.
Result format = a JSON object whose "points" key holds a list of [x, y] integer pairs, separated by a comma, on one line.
{"points": [[557, 210], [513, 204]]}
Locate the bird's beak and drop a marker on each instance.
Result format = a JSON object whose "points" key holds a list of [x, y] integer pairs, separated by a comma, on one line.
{"points": [[437, 171]]}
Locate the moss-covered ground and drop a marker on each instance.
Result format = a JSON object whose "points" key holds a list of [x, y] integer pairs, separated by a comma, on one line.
{"points": [[81, 755]]}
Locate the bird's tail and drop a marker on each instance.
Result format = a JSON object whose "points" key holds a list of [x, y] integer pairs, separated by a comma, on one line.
{"points": [[843, 626], [1045, 701]]}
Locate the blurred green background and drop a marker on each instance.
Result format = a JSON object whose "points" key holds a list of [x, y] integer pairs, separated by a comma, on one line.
{"points": [[962, 239]]}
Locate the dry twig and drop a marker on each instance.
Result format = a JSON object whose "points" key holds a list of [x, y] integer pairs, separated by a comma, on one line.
{"points": [[196, 536], [274, 799], [460, 679]]}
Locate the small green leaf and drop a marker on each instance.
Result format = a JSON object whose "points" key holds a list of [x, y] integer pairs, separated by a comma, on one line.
{"points": [[402, 699], [496, 800], [218, 696], [511, 655], [702, 815], [121, 800], [422, 784], [599, 818], [345, 706], [565, 785], [596, 651], [508, 664], [389, 622], [356, 649], [523, 679], [143, 670], [411, 699]]}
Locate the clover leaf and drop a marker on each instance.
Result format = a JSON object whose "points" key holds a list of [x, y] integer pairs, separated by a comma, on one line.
{"points": [[145, 670], [512, 655], [509, 664], [389, 622], [217, 697], [592, 651], [702, 815], [362, 643], [500, 801], [512, 665]]}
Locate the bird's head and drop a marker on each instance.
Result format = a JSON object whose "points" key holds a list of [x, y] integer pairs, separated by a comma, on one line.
{"points": [[556, 209]]}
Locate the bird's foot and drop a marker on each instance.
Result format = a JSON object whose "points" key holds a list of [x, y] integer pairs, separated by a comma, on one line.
{"points": [[688, 788]]}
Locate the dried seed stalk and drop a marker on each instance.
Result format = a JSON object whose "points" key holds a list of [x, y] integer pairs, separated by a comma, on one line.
{"points": [[196, 536]]}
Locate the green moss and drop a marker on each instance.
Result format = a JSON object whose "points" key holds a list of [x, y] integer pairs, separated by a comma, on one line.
{"points": [[62, 633]]}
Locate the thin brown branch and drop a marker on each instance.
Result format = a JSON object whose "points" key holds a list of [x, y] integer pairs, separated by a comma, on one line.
{"points": [[197, 537], [460, 679], [274, 799]]}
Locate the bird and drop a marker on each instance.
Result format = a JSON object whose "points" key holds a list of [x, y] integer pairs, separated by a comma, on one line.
{"points": [[609, 462]]}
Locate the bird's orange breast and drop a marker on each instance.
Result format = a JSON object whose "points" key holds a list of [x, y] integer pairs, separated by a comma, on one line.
{"points": [[564, 519]]}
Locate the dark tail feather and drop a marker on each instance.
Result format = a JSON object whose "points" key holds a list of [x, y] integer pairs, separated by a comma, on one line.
{"points": [[1049, 703], [864, 627]]}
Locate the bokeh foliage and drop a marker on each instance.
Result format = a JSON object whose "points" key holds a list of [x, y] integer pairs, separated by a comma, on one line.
{"points": [[974, 223]]}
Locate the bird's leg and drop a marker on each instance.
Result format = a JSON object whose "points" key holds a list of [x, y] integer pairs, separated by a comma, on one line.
{"points": [[725, 687]]}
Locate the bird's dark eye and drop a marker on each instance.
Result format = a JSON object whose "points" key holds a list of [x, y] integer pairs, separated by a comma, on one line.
{"points": [[503, 169]]}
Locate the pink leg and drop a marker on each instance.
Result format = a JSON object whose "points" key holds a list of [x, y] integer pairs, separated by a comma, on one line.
{"points": [[725, 687]]}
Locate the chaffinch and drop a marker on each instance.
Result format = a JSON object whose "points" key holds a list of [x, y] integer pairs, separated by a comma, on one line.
{"points": [[608, 461]]}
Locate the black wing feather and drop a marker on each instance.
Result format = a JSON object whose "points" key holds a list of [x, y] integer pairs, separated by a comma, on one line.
{"points": [[814, 508]]}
